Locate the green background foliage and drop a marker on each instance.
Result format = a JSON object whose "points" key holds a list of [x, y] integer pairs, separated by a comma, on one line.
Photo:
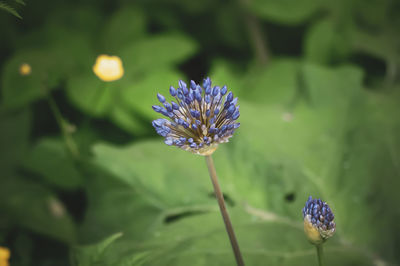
{"points": [[85, 181]]}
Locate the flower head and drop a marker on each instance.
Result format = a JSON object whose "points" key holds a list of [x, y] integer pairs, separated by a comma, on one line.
{"points": [[108, 68], [318, 221], [25, 69], [200, 119]]}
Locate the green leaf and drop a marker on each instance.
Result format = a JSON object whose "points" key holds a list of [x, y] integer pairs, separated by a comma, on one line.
{"points": [[92, 254], [131, 165], [125, 27], [50, 159], [231, 30], [275, 84], [141, 94], [104, 193], [327, 42], [260, 85], [9, 9], [14, 139], [20, 2], [285, 11], [383, 45], [128, 120], [90, 94], [156, 52], [83, 19], [264, 238], [36, 208], [327, 87], [19, 90], [48, 65]]}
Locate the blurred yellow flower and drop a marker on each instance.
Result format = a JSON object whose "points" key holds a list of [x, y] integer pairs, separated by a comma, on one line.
{"points": [[108, 68], [25, 69], [4, 256]]}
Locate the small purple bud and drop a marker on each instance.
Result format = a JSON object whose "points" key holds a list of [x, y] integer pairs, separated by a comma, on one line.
{"points": [[175, 106], [158, 122], [235, 101], [224, 90], [157, 108], [231, 109], [172, 91], [198, 96], [182, 84], [215, 91], [168, 106], [199, 89], [207, 98], [229, 97], [160, 98], [168, 141], [192, 84], [236, 115], [206, 82]]}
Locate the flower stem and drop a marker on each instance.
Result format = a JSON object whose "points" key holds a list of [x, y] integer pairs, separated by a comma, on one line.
{"points": [[320, 254], [224, 212], [69, 141], [256, 34]]}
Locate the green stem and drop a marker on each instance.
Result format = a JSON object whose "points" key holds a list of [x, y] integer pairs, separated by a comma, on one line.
{"points": [[257, 37], [224, 212], [69, 141], [320, 254]]}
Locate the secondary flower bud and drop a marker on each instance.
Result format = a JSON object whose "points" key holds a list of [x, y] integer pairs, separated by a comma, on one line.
{"points": [[318, 221]]}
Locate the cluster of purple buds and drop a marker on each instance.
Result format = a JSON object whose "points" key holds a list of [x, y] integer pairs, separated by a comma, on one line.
{"points": [[200, 117], [318, 220]]}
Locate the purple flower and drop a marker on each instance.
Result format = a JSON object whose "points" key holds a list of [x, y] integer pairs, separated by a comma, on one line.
{"points": [[200, 117]]}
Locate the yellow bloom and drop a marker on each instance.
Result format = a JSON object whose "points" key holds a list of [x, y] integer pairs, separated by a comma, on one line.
{"points": [[4, 253], [108, 68], [25, 69], [4, 256]]}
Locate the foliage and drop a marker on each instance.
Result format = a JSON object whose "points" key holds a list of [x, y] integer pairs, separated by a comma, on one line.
{"points": [[84, 175], [8, 8]]}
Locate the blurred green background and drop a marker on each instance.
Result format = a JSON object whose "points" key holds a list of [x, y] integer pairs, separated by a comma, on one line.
{"points": [[84, 179]]}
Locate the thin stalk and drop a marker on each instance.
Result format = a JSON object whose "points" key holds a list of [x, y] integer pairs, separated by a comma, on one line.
{"points": [[69, 141], [257, 37], [224, 212], [320, 254]]}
